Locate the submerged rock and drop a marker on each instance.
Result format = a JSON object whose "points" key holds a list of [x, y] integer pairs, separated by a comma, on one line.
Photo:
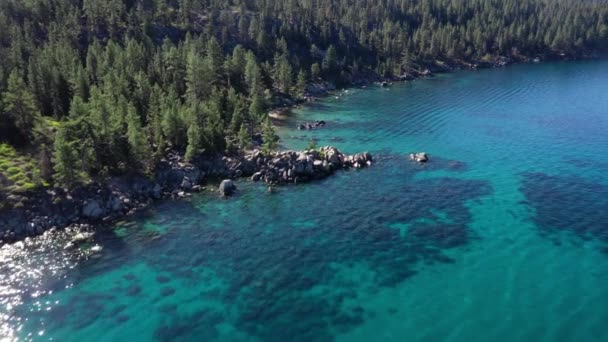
{"points": [[420, 157], [173, 178], [227, 187], [81, 237], [312, 125]]}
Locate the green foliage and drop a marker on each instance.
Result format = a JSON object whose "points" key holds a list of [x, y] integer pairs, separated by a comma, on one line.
{"points": [[194, 140], [138, 141], [257, 107], [315, 70], [312, 144], [244, 138], [283, 77], [18, 170], [330, 61], [121, 81], [270, 137], [19, 109], [65, 160], [302, 82]]}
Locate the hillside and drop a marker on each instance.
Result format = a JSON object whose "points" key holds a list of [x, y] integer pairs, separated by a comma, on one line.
{"points": [[95, 88]]}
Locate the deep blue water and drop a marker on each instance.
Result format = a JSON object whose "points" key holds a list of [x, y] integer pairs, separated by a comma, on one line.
{"points": [[503, 236]]}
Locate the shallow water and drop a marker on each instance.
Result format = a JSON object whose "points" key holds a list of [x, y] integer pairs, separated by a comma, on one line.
{"points": [[503, 236]]}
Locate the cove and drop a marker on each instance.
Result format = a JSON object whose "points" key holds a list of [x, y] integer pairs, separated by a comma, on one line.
{"points": [[502, 236]]}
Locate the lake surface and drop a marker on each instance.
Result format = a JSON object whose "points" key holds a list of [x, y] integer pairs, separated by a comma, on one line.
{"points": [[502, 236]]}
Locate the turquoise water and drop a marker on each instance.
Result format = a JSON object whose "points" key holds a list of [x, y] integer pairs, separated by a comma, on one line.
{"points": [[503, 236]]}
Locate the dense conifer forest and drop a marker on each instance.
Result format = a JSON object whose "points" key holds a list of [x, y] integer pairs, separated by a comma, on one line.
{"points": [[90, 88]]}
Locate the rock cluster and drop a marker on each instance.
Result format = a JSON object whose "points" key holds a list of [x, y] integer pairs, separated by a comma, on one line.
{"points": [[58, 208], [420, 157], [173, 178], [297, 167], [312, 125]]}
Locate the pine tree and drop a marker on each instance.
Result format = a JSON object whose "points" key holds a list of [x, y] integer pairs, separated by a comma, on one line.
{"points": [[172, 122], [198, 78], [19, 107], [283, 74], [257, 107], [315, 71], [138, 141], [194, 140], [45, 163], [253, 75], [330, 60], [270, 137], [65, 159], [302, 82], [244, 139]]}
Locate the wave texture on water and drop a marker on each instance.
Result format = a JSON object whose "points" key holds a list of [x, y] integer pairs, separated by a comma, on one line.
{"points": [[501, 236]]}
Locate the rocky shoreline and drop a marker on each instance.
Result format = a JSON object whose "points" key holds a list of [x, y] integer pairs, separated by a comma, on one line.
{"points": [[318, 90], [116, 197], [108, 200]]}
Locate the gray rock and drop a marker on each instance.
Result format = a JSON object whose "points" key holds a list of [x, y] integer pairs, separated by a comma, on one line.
{"points": [[186, 184], [406, 77], [420, 157], [116, 204], [256, 177], [156, 191], [96, 249], [81, 237], [92, 210], [227, 187]]}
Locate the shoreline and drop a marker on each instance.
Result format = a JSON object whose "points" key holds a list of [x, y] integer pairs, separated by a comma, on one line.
{"points": [[109, 200], [324, 89], [116, 198]]}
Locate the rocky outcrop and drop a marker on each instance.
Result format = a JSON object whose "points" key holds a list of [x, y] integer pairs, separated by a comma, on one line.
{"points": [[311, 125], [297, 167], [420, 157], [407, 77], [92, 210], [174, 172], [173, 178], [58, 208], [227, 187]]}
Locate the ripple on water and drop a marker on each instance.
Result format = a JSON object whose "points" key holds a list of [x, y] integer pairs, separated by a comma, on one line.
{"points": [[298, 264], [30, 270]]}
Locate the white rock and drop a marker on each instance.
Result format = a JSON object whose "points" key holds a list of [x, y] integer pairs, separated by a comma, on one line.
{"points": [[96, 249]]}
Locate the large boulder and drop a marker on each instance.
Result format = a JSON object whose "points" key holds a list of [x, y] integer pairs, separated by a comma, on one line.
{"points": [[157, 191], [186, 184], [256, 177], [115, 204], [227, 187]]}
